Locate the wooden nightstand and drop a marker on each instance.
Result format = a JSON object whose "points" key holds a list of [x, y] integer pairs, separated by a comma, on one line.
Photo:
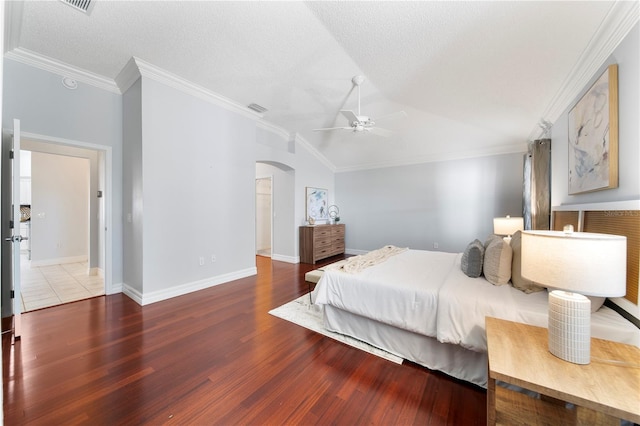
{"points": [[603, 391]]}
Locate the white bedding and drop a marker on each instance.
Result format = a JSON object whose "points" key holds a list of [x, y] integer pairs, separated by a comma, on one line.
{"points": [[464, 302], [426, 292], [402, 291]]}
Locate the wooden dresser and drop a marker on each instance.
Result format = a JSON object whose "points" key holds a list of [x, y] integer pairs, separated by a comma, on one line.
{"points": [[320, 241]]}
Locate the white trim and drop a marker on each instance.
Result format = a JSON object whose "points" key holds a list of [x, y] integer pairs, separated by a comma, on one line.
{"points": [[128, 75], [58, 261], [355, 252], [520, 148], [109, 287], [620, 19], [157, 74], [285, 258], [306, 145], [45, 63], [270, 127], [182, 289]]}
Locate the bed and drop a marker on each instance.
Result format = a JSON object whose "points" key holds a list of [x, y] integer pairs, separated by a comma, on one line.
{"points": [[421, 306]]}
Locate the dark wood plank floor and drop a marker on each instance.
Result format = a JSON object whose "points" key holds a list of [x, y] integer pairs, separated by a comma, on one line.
{"points": [[213, 357]]}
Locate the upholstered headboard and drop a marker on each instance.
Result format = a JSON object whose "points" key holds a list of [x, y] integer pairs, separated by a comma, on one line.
{"points": [[618, 218]]}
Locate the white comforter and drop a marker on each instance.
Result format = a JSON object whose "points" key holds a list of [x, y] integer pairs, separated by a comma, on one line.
{"points": [[463, 304], [427, 293], [402, 291]]}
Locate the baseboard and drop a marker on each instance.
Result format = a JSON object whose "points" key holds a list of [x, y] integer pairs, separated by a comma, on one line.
{"points": [[356, 252], [58, 261], [182, 289], [96, 272], [283, 258]]}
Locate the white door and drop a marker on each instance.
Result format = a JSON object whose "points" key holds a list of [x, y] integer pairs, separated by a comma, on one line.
{"points": [[15, 238]]}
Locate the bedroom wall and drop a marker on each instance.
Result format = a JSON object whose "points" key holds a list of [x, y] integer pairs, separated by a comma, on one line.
{"points": [[87, 114], [449, 203], [627, 56], [132, 189], [198, 178]]}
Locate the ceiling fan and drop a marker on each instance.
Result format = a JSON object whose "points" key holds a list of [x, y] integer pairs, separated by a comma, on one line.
{"points": [[359, 122]]}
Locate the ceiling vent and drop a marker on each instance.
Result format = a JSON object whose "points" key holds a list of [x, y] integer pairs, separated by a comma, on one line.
{"points": [[257, 108], [81, 5]]}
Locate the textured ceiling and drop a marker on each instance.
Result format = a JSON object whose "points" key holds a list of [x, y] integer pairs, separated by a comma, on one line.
{"points": [[473, 77]]}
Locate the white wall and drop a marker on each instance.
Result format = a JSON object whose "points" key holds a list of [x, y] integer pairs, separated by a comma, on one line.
{"points": [[449, 203], [263, 212], [60, 209], [627, 56]]}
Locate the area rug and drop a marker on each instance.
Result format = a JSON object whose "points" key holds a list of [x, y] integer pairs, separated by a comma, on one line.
{"points": [[300, 312]]}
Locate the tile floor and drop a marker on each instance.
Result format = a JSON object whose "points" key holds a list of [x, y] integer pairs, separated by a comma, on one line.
{"points": [[52, 285]]}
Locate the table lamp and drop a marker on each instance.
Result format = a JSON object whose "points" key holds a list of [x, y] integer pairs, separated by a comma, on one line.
{"points": [[572, 265], [507, 226]]}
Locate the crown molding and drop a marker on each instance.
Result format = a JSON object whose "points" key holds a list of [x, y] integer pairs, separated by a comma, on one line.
{"points": [[306, 145], [518, 148], [13, 24], [45, 63], [152, 72], [620, 19], [270, 127]]}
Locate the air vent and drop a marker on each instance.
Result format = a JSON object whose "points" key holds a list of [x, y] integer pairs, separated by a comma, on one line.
{"points": [[257, 108], [81, 5]]}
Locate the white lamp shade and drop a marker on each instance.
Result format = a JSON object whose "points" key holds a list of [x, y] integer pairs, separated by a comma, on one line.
{"points": [[507, 225], [580, 262]]}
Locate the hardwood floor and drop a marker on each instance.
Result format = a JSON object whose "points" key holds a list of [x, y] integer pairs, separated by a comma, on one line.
{"points": [[213, 357]]}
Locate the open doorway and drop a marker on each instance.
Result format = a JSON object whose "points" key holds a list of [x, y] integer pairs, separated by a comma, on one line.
{"points": [[264, 214], [55, 261]]}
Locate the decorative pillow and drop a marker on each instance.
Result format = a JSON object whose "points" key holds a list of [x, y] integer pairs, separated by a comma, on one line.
{"points": [[490, 238], [520, 282], [497, 262], [472, 259]]}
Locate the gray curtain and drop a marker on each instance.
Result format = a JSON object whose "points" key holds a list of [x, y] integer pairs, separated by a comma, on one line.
{"points": [[537, 185]]}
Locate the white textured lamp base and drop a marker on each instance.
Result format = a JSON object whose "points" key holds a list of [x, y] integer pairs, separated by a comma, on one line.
{"points": [[570, 326]]}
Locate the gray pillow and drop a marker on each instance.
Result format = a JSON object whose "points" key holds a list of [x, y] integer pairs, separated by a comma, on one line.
{"points": [[497, 262], [472, 259]]}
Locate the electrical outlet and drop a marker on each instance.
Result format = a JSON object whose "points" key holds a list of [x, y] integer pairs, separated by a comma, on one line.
{"points": [[435, 245], [201, 261], [213, 258]]}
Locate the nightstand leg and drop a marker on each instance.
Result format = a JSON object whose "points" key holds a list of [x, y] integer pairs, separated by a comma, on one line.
{"points": [[491, 402]]}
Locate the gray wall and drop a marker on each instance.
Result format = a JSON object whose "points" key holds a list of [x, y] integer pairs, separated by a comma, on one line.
{"points": [[198, 169], [87, 114], [449, 203], [132, 189], [627, 56]]}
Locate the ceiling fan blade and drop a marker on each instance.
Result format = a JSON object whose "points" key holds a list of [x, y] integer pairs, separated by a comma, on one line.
{"points": [[350, 115], [332, 128], [395, 115], [380, 131]]}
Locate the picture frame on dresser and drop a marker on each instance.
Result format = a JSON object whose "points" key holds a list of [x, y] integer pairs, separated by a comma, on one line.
{"points": [[593, 136], [317, 205]]}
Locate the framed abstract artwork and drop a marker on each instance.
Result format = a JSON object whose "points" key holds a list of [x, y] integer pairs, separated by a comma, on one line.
{"points": [[317, 205], [593, 136]]}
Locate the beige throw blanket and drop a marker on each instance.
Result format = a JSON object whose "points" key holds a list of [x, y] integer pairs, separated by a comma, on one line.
{"points": [[356, 264]]}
